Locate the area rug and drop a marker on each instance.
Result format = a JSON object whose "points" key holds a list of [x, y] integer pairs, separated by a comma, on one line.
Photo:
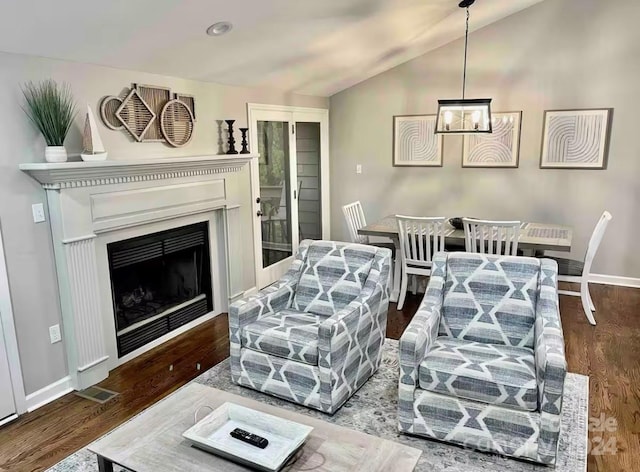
{"points": [[373, 410]]}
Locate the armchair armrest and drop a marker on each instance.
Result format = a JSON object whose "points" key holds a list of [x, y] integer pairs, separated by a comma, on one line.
{"points": [[551, 365], [423, 329], [341, 337], [417, 339], [375, 291], [268, 301], [271, 299]]}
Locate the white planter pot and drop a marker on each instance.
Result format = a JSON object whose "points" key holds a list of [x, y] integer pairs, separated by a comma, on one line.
{"points": [[55, 154]]}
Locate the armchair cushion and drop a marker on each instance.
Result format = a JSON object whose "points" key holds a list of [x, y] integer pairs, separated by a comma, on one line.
{"points": [[289, 334], [488, 373], [332, 277], [490, 299]]}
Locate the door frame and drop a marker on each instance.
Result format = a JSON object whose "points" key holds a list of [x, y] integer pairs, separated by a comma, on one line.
{"points": [[10, 338], [297, 114]]}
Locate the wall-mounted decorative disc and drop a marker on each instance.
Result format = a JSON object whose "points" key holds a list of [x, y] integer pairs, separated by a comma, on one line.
{"points": [[136, 115], [108, 108], [176, 123]]}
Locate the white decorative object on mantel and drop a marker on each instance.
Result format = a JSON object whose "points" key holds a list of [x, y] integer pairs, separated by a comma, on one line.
{"points": [[92, 204], [92, 147]]}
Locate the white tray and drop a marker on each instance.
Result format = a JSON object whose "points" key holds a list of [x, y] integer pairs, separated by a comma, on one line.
{"points": [[212, 435]]}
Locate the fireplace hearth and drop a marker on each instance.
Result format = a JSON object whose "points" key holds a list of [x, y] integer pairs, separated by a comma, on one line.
{"points": [[159, 282]]}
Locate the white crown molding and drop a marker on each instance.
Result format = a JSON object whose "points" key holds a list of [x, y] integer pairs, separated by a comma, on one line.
{"points": [[63, 175]]}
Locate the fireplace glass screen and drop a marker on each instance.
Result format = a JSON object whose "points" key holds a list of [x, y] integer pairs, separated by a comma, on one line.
{"points": [[159, 282]]}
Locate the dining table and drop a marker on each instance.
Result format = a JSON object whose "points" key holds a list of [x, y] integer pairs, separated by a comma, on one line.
{"points": [[534, 238]]}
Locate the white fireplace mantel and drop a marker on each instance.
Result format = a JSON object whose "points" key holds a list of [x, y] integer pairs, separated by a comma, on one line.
{"points": [[93, 203], [85, 174]]}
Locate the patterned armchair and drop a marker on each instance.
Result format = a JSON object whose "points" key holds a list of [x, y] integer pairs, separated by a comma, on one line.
{"points": [[482, 363], [315, 336]]}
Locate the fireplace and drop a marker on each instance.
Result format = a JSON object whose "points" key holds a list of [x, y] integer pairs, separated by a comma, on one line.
{"points": [[159, 282], [141, 248]]}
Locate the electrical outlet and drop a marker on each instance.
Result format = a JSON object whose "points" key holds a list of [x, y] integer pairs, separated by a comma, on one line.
{"points": [[54, 334], [171, 368], [38, 212], [198, 366], [358, 169]]}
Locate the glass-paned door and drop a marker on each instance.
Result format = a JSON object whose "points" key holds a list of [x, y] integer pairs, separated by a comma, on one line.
{"points": [[289, 184], [275, 191]]}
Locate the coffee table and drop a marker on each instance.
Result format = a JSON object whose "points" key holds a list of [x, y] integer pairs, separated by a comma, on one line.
{"points": [[153, 442]]}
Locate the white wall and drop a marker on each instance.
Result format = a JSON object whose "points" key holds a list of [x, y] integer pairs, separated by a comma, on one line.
{"points": [[28, 246], [558, 54]]}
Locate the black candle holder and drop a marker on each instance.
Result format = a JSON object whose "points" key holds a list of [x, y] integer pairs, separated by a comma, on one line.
{"points": [[245, 149], [232, 141]]}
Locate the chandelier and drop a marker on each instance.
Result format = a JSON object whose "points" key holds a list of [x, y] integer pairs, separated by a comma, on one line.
{"points": [[464, 115]]}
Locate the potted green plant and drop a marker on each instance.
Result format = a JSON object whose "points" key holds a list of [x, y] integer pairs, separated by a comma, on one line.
{"points": [[51, 108]]}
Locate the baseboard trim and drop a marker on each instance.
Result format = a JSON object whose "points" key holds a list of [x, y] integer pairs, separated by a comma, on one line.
{"points": [[614, 280], [8, 419], [49, 393], [251, 291]]}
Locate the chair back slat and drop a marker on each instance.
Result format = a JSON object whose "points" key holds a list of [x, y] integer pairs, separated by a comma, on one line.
{"points": [[354, 215], [491, 237], [420, 239], [595, 240]]}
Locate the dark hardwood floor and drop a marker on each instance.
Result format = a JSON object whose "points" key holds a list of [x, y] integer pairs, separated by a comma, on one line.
{"points": [[38, 440], [609, 353]]}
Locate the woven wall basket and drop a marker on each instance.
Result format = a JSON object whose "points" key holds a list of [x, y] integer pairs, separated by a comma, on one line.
{"points": [[150, 114], [190, 101], [108, 108], [176, 123], [156, 98], [136, 115]]}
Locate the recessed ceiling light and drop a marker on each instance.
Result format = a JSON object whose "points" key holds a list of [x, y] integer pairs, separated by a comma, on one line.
{"points": [[219, 28]]}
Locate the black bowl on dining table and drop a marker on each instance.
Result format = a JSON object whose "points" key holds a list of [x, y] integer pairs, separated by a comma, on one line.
{"points": [[457, 222]]}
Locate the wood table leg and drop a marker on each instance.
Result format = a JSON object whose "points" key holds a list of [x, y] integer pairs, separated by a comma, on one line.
{"points": [[104, 465], [397, 266]]}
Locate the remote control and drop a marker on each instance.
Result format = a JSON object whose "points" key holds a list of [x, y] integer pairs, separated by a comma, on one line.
{"points": [[249, 438]]}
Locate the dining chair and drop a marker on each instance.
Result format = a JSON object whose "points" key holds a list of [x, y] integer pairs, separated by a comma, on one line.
{"points": [[420, 239], [354, 215], [491, 237], [575, 271]]}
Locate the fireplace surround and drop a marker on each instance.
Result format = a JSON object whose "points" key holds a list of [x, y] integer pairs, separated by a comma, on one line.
{"points": [[96, 208]]}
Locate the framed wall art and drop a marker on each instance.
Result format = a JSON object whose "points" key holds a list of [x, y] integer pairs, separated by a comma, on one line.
{"points": [[415, 143], [498, 149], [576, 139]]}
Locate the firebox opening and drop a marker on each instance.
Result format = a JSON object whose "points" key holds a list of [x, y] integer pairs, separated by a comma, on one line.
{"points": [[159, 282]]}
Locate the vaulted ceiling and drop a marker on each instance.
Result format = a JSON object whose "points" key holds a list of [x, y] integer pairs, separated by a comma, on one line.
{"points": [[315, 47]]}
